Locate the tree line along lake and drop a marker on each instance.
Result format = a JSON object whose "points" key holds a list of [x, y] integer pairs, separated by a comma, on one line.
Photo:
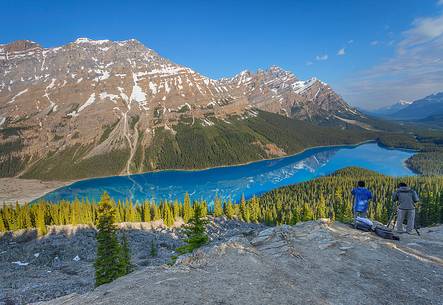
{"points": [[232, 181]]}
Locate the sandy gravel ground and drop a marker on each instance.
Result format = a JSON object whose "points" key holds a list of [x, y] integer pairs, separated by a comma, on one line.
{"points": [[24, 190]]}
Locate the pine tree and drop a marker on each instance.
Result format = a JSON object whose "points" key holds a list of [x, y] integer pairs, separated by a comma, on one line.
{"points": [[176, 209], [2, 223], [218, 209], [321, 207], [75, 215], [108, 264], [187, 209], [195, 232], [255, 209], [40, 220], [204, 208], [157, 212], [243, 208], [307, 212], [126, 265], [146, 212], [229, 209], [168, 218], [153, 252]]}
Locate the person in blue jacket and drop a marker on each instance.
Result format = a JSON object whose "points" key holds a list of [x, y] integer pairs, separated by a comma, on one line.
{"points": [[361, 197]]}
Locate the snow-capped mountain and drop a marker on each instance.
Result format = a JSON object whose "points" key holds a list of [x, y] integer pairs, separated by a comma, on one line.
{"points": [[109, 95], [280, 91], [390, 109], [428, 106]]}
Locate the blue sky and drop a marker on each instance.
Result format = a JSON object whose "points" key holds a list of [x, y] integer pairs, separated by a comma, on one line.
{"points": [[373, 52]]}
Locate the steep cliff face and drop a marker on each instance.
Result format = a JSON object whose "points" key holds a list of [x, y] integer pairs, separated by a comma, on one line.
{"points": [[93, 98]]}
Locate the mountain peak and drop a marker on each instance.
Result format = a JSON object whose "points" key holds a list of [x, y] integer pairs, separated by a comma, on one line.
{"points": [[19, 46], [85, 40], [92, 41], [277, 69], [404, 102]]}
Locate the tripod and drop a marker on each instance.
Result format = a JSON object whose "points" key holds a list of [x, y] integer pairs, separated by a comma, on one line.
{"points": [[393, 219]]}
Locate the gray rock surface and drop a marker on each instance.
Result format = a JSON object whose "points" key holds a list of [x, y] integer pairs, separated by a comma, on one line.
{"points": [[35, 269], [310, 263]]}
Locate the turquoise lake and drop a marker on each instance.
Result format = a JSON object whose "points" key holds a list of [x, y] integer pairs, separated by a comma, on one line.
{"points": [[233, 181]]}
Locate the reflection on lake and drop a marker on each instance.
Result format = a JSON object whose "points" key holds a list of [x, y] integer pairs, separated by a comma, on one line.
{"points": [[233, 181]]}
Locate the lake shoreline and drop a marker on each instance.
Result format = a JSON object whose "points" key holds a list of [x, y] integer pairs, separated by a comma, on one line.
{"points": [[9, 195], [21, 191], [227, 165]]}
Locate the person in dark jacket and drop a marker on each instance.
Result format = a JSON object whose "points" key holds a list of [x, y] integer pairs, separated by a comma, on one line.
{"points": [[407, 198], [361, 200]]}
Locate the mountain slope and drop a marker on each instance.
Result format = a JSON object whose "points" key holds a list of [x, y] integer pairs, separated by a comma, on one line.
{"points": [[92, 101], [391, 109], [229, 141], [420, 109]]}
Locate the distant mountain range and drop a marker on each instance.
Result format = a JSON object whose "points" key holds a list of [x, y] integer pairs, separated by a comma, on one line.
{"points": [[388, 110], [95, 99], [431, 106]]}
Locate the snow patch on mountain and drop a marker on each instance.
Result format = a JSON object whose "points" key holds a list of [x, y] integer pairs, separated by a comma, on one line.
{"points": [[137, 94], [88, 102], [112, 97], [90, 41], [300, 86]]}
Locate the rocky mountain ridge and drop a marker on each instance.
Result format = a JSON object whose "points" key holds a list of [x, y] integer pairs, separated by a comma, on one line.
{"points": [[103, 96], [431, 105], [420, 109]]}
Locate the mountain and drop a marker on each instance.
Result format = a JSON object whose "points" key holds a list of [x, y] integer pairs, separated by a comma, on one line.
{"points": [[422, 108], [388, 110], [94, 101], [435, 120]]}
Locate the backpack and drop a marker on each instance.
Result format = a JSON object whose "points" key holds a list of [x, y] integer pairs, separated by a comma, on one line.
{"points": [[385, 233], [360, 224]]}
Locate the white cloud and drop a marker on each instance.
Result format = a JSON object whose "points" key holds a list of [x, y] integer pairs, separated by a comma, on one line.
{"points": [[341, 52], [309, 63], [423, 30], [322, 57], [352, 41], [375, 42], [440, 2], [416, 69]]}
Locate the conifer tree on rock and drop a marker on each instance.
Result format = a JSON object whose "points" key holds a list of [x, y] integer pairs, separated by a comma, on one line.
{"points": [[146, 212], [307, 212], [2, 224], [108, 263], [168, 217], [157, 213], [195, 232], [40, 220], [218, 209], [176, 209], [229, 209], [126, 256], [204, 208], [321, 207], [154, 251], [187, 208]]}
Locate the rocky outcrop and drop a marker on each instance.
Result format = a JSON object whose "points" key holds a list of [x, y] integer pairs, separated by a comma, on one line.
{"points": [[35, 269], [309, 263]]}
